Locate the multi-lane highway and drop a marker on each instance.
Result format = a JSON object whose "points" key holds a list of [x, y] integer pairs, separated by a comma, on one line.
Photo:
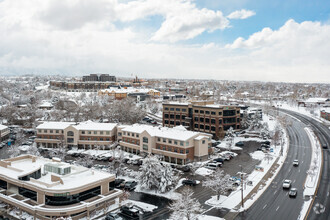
{"points": [[320, 208], [275, 202]]}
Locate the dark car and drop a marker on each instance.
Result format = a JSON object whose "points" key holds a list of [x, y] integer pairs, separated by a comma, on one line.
{"points": [[145, 119], [189, 182], [219, 160], [185, 169], [266, 142], [113, 216], [239, 144], [293, 192], [130, 185], [325, 146], [118, 182], [129, 211]]}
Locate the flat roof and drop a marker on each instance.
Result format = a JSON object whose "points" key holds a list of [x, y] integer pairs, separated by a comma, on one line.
{"points": [[93, 126], [55, 125], [79, 176]]}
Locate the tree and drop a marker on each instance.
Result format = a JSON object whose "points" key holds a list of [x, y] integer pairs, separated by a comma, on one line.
{"points": [[166, 179], [33, 150], [13, 151], [219, 182], [268, 157], [230, 138], [186, 207]]}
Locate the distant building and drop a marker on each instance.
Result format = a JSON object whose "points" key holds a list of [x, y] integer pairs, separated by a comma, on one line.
{"points": [[176, 145], [47, 189], [84, 135], [99, 78], [124, 92], [88, 86], [314, 102], [325, 114], [4, 132], [203, 116]]}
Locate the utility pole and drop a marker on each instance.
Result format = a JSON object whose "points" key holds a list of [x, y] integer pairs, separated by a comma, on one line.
{"points": [[242, 189]]}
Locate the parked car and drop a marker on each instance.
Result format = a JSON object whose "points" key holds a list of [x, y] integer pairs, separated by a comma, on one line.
{"points": [[287, 184], [212, 166], [185, 168], [293, 192], [239, 144], [295, 163], [219, 160], [129, 211], [325, 146], [266, 142], [130, 185], [189, 182], [113, 216], [145, 119]]}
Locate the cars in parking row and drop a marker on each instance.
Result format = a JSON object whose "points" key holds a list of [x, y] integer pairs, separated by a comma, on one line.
{"points": [[127, 185]]}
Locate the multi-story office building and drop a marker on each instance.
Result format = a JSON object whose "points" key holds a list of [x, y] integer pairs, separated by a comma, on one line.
{"points": [[4, 132], [176, 145], [47, 189], [84, 135], [101, 78], [202, 116]]}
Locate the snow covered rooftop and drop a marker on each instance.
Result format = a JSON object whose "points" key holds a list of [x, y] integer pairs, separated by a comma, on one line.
{"points": [[178, 103], [55, 125], [89, 125], [24, 165], [163, 132], [317, 100], [2, 127]]}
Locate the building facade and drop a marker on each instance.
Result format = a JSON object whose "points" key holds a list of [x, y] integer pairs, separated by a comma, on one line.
{"points": [[325, 114], [47, 188], [4, 132], [122, 93], [84, 135], [175, 145], [88, 86], [100, 78], [202, 116]]}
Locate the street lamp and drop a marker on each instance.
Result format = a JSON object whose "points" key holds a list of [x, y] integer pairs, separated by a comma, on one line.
{"points": [[242, 189]]}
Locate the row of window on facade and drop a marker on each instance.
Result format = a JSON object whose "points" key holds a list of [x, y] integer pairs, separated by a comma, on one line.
{"points": [[163, 140], [71, 133], [175, 150], [176, 116], [177, 109]]}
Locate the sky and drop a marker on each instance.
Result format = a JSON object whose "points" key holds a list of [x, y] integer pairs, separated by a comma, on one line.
{"points": [[243, 40]]}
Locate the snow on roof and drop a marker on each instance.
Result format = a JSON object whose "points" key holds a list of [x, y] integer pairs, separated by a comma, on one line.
{"points": [[46, 104], [89, 125], [79, 176], [178, 103], [200, 137], [164, 132], [129, 90], [316, 100], [55, 125], [2, 127]]}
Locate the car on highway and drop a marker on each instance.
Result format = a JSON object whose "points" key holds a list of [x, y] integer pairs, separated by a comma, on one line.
{"points": [[189, 182], [295, 163], [325, 146], [287, 184], [293, 192], [130, 185], [113, 216]]}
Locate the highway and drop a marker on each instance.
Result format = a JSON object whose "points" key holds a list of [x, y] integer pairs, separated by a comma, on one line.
{"points": [[275, 203], [322, 197]]}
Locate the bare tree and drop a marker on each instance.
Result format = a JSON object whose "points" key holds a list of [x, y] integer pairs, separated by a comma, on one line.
{"points": [[219, 182]]}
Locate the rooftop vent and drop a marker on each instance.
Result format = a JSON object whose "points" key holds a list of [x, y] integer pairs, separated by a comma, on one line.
{"points": [[58, 168]]}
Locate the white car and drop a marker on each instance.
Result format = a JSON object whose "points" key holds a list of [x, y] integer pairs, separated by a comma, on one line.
{"points": [[295, 163], [286, 184]]}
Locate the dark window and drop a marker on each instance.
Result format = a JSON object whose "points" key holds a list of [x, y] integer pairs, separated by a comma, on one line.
{"points": [[184, 110], [212, 128], [196, 111], [166, 122], [229, 120], [207, 120], [145, 140], [166, 115], [3, 184], [175, 150], [207, 127], [27, 193], [171, 116], [183, 117], [177, 116], [187, 151], [177, 123], [202, 111], [166, 109], [207, 112], [177, 109], [196, 119], [181, 151], [237, 119], [171, 109], [183, 123], [212, 113], [201, 119], [229, 112], [172, 122], [220, 113], [212, 121], [201, 126], [196, 125], [220, 121]]}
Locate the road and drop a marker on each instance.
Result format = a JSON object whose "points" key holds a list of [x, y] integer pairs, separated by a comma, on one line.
{"points": [[275, 203], [323, 191]]}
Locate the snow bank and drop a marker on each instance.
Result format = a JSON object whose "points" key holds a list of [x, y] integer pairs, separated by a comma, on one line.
{"points": [[203, 171], [145, 206], [258, 155]]}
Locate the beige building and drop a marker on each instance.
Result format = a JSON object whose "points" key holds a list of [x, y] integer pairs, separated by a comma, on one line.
{"points": [[177, 145], [84, 135], [4, 132], [47, 188]]}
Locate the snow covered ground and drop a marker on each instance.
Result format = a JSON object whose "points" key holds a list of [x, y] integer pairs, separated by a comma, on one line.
{"points": [[99, 153], [313, 174], [145, 206]]}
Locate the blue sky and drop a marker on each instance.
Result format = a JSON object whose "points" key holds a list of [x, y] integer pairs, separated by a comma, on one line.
{"points": [[201, 39]]}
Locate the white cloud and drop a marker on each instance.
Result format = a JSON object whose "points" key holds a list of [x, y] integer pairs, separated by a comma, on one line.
{"points": [[241, 14]]}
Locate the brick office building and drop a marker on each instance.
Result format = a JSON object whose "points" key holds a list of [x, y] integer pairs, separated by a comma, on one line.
{"points": [[202, 116]]}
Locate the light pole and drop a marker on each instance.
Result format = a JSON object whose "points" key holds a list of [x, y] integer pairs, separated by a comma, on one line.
{"points": [[242, 189]]}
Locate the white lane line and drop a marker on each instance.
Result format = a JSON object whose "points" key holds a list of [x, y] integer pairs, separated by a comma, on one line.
{"points": [[277, 208], [287, 193], [302, 161], [264, 206], [276, 191], [299, 171], [294, 181], [328, 194]]}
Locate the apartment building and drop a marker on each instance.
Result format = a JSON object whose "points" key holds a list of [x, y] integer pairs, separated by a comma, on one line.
{"points": [[176, 145], [122, 93], [4, 132], [84, 135], [48, 189], [203, 116]]}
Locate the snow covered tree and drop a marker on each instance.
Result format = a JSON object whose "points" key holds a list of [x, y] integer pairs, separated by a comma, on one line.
{"points": [[229, 138], [166, 178], [264, 133], [186, 207], [86, 161], [245, 123], [33, 150], [219, 182], [13, 151]]}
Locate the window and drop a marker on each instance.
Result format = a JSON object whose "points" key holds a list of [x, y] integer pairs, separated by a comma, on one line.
{"points": [[181, 151], [183, 117], [196, 111], [172, 122], [128, 134], [164, 140], [220, 121], [187, 143], [51, 131], [101, 139], [203, 141], [207, 127], [169, 141], [119, 134], [237, 119], [201, 126], [145, 140], [45, 131], [166, 109], [39, 131], [158, 146], [207, 112], [83, 132], [177, 109], [164, 147], [169, 148], [212, 113], [166, 115], [177, 123], [196, 118], [212, 121], [107, 139], [181, 143], [101, 132], [137, 135], [171, 109], [175, 142], [187, 151], [166, 122], [202, 111], [158, 139], [184, 110], [70, 133], [171, 116], [220, 113], [212, 128], [145, 147], [177, 116], [175, 150], [89, 132], [207, 120], [95, 132], [196, 125], [108, 132], [201, 119]]}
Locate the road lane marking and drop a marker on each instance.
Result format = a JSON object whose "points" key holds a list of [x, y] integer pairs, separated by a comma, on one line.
{"points": [[294, 181], [328, 194], [302, 161], [299, 171], [277, 208], [275, 193], [287, 193], [264, 206]]}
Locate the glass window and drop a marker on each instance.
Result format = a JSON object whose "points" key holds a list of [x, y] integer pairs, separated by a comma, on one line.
{"points": [[169, 141], [108, 132], [207, 120], [137, 135], [212, 113], [128, 134], [95, 132], [207, 112], [202, 111], [181, 151], [166, 109], [177, 109], [177, 116], [171, 109], [175, 142], [220, 113], [187, 151], [175, 150], [51, 131], [196, 111], [145, 147], [169, 148], [207, 127], [201, 126], [164, 148], [101, 132], [184, 110], [70, 133], [45, 131], [89, 132], [145, 140], [158, 139], [164, 140], [83, 132], [119, 134], [203, 141], [187, 143], [181, 143]]}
